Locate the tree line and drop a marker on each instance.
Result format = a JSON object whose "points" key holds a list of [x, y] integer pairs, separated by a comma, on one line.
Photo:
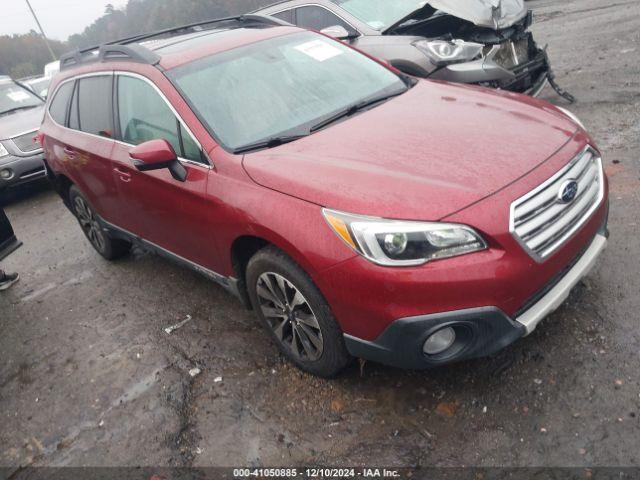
{"points": [[25, 55]]}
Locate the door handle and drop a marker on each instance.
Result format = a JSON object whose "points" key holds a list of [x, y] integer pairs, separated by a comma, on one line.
{"points": [[69, 152], [124, 176]]}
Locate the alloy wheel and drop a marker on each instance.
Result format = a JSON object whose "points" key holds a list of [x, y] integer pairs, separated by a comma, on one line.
{"points": [[90, 224], [290, 316]]}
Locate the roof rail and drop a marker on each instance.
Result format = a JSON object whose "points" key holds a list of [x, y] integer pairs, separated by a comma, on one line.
{"points": [[125, 48], [104, 53], [259, 19]]}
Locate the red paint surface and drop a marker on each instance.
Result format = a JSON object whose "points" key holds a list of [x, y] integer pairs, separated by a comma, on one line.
{"points": [[440, 151]]}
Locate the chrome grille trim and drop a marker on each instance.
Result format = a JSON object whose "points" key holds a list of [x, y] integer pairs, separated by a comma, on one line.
{"points": [[541, 223], [25, 143]]}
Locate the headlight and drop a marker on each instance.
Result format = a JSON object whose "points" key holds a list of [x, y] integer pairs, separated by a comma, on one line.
{"points": [[400, 243], [3, 151], [441, 52], [572, 117]]}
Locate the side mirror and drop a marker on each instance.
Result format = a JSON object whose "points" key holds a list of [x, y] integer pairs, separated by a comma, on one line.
{"points": [[156, 155], [338, 32]]}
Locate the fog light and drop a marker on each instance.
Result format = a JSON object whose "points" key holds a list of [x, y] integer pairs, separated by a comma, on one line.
{"points": [[6, 173], [439, 341]]}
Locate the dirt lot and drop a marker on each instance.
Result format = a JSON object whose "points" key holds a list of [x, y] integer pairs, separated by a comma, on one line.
{"points": [[89, 377]]}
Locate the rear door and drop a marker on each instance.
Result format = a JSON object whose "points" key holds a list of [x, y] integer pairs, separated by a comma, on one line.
{"points": [[88, 142], [174, 215]]}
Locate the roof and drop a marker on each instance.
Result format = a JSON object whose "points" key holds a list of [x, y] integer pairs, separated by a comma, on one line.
{"points": [[176, 46], [186, 50]]}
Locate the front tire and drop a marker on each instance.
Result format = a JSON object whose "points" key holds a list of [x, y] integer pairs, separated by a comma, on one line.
{"points": [[110, 248], [296, 314]]}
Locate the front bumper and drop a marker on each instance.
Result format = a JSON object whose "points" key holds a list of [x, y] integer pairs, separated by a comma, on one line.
{"points": [[528, 76], [484, 330], [22, 169]]}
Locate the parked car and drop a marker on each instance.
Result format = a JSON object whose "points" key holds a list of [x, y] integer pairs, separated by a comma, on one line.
{"points": [[38, 85], [21, 113], [359, 211], [474, 41]]}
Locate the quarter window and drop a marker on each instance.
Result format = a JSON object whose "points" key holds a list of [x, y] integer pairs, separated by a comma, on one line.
{"points": [[94, 105], [318, 18], [143, 116], [60, 104]]}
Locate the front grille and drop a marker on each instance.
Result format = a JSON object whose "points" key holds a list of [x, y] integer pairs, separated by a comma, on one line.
{"points": [[25, 142], [542, 221]]}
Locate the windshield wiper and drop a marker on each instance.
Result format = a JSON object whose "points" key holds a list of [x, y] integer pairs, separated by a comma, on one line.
{"points": [[15, 109], [353, 109], [269, 143], [347, 112]]}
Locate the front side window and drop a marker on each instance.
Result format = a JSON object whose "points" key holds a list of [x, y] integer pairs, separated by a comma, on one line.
{"points": [[381, 14], [286, 16], [281, 86], [94, 105], [143, 116], [13, 97], [60, 103], [319, 18]]}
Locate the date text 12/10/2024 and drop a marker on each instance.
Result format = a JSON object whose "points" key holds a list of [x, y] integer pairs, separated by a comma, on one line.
{"points": [[307, 473]]}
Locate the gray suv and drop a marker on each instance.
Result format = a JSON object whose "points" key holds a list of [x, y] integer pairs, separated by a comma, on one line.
{"points": [[21, 112], [485, 42]]}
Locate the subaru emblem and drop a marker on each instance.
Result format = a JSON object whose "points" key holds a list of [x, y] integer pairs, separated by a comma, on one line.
{"points": [[568, 191]]}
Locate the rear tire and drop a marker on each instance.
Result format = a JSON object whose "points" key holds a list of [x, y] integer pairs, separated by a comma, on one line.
{"points": [[296, 314], [110, 248]]}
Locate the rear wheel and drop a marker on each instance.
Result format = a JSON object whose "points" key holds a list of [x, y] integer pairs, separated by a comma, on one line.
{"points": [[107, 246], [295, 313]]}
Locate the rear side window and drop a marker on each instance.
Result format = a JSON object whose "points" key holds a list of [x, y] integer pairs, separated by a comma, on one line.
{"points": [[60, 103], [143, 115], [95, 106]]}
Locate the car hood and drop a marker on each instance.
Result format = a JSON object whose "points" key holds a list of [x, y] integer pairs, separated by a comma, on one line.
{"points": [[496, 14], [20, 122], [424, 155]]}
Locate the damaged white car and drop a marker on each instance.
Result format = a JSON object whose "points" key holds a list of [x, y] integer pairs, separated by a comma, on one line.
{"points": [[484, 42]]}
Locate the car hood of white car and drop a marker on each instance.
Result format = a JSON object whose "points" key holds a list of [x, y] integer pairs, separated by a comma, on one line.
{"points": [[486, 13], [496, 14]]}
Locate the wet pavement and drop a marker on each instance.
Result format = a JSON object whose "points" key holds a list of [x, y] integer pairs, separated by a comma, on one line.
{"points": [[89, 376]]}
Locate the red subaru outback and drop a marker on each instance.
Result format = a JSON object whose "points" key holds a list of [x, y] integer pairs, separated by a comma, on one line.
{"points": [[360, 212]]}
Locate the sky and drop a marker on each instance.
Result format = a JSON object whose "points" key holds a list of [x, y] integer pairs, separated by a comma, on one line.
{"points": [[59, 18]]}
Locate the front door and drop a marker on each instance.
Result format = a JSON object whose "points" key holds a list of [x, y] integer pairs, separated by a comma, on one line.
{"points": [[173, 215]]}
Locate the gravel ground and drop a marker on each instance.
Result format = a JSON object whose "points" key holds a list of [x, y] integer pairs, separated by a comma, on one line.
{"points": [[89, 377]]}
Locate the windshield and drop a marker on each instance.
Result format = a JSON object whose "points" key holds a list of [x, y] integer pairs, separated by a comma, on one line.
{"points": [[381, 14], [14, 97], [281, 86]]}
